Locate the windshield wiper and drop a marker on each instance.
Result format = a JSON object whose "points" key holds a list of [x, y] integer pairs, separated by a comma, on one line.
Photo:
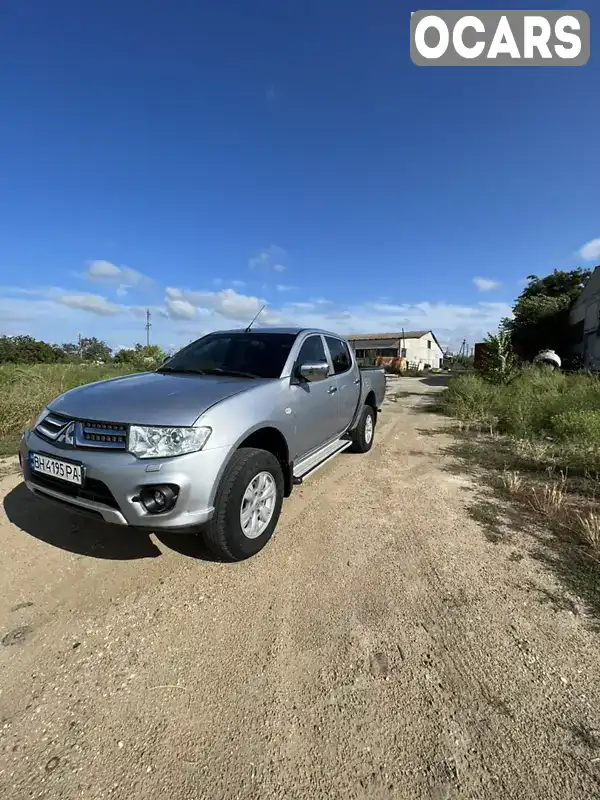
{"points": [[182, 370], [235, 373]]}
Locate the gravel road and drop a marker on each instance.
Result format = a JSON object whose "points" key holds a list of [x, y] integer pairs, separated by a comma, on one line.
{"points": [[381, 646]]}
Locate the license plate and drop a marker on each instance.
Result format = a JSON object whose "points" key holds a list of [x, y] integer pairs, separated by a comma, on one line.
{"points": [[56, 468]]}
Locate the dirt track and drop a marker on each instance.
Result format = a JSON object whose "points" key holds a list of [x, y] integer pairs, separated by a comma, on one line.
{"points": [[379, 647]]}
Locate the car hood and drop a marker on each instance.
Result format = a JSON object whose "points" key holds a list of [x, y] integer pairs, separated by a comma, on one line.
{"points": [[149, 398]]}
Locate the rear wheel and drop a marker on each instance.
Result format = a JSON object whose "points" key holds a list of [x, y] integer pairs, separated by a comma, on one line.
{"points": [[362, 435], [247, 505]]}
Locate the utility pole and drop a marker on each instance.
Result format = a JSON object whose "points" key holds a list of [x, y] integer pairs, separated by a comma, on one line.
{"points": [[79, 348], [148, 326]]}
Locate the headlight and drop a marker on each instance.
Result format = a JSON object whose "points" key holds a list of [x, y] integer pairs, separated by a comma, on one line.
{"points": [[145, 442]]}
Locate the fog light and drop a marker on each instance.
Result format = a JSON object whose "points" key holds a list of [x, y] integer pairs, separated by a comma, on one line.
{"points": [[158, 499]]}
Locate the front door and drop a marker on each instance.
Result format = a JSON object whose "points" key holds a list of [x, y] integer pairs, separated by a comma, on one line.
{"points": [[315, 404]]}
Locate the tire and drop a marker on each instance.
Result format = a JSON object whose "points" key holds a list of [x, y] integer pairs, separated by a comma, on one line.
{"points": [[364, 433], [224, 534]]}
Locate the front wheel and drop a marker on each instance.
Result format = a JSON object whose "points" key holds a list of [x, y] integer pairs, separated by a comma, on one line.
{"points": [[362, 435], [247, 505]]}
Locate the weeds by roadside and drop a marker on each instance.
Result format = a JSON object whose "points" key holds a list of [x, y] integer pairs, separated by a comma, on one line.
{"points": [[553, 416], [549, 509], [24, 391], [538, 437]]}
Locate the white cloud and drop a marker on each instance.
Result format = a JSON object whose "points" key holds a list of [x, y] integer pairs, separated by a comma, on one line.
{"points": [[486, 284], [449, 322], [228, 303], [57, 314], [122, 290], [94, 303], [281, 287], [178, 308], [270, 258], [238, 284], [591, 250], [105, 272]]}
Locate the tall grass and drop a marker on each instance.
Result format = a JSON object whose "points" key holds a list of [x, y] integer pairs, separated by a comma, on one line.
{"points": [[546, 425], [25, 390], [537, 406]]}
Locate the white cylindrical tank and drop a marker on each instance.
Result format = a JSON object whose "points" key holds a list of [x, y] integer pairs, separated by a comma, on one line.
{"points": [[548, 357]]}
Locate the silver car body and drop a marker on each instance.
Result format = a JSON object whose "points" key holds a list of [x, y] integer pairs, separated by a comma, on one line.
{"points": [[308, 416]]}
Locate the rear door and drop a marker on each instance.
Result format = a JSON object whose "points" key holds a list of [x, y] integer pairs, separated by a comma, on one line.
{"points": [[315, 404], [347, 377]]}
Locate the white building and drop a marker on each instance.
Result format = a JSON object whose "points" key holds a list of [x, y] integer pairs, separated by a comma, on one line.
{"points": [[584, 318], [420, 348]]}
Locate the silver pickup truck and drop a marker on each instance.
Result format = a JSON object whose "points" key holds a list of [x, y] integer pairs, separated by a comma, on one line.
{"points": [[213, 440]]}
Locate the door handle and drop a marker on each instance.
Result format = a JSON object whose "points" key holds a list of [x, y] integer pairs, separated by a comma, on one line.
{"points": [[357, 381], [332, 390]]}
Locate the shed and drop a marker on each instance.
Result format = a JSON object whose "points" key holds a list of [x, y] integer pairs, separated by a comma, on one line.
{"points": [[420, 348]]}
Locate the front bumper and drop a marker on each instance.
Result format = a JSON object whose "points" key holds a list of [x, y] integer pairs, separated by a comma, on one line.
{"points": [[116, 479]]}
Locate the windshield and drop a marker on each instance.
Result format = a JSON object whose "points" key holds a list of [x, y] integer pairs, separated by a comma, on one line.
{"points": [[253, 355]]}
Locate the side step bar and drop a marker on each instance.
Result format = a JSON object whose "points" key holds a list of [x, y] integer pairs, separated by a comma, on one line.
{"points": [[317, 460]]}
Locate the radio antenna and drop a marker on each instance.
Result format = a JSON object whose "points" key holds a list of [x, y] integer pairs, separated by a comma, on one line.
{"points": [[254, 320]]}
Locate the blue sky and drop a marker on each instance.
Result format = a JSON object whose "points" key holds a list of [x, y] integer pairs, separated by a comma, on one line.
{"points": [[202, 158]]}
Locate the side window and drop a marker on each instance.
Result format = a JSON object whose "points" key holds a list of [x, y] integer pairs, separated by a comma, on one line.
{"points": [[340, 355], [311, 351]]}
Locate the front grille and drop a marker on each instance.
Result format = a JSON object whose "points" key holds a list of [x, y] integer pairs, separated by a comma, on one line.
{"points": [[67, 432], [94, 490], [104, 434], [51, 426]]}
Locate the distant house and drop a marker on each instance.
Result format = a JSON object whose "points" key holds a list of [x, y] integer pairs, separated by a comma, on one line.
{"points": [[420, 348], [584, 318]]}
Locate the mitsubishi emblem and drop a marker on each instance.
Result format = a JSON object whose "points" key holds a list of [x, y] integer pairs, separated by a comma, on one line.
{"points": [[67, 435]]}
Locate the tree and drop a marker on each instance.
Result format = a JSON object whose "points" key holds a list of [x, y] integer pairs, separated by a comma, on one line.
{"points": [[141, 356], [499, 362], [93, 349], [541, 313], [27, 350], [70, 350]]}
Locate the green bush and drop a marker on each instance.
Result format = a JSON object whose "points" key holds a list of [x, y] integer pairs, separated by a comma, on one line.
{"points": [[578, 426], [471, 399], [561, 410], [528, 407]]}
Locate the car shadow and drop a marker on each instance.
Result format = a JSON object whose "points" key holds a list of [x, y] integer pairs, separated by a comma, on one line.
{"points": [[79, 534], [187, 544], [435, 380]]}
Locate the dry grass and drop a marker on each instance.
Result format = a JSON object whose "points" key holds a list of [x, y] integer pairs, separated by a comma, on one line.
{"points": [[549, 499], [554, 501], [588, 525], [512, 483]]}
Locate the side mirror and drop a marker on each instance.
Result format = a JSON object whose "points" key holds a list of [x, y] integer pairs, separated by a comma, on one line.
{"points": [[313, 371]]}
